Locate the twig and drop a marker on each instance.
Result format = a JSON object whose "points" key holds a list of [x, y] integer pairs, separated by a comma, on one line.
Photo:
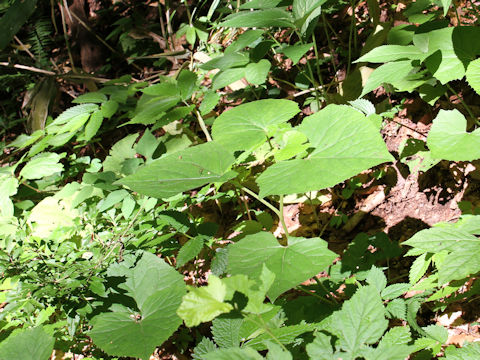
{"points": [[203, 126], [29, 68], [24, 47], [64, 27]]}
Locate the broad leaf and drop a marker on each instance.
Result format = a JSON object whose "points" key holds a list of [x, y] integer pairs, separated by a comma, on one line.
{"points": [[387, 73], [227, 77], [473, 75], [157, 290], [181, 171], [260, 4], [284, 335], [436, 239], [449, 140], [361, 321], [467, 352], [226, 61], [189, 250], [31, 344], [247, 126], [345, 143], [259, 18], [461, 263], [295, 52], [204, 303], [321, 347], [14, 18], [226, 331], [292, 264], [45, 164], [256, 73]]}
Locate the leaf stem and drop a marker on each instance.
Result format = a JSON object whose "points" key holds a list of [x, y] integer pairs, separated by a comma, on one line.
{"points": [[282, 217], [263, 201], [467, 108]]}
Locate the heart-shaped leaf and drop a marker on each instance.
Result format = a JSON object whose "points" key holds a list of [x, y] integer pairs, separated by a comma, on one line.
{"points": [[449, 140], [32, 344], [246, 126], [292, 264], [181, 171], [345, 143], [157, 290]]}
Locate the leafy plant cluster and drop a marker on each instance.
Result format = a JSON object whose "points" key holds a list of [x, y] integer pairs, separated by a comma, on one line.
{"points": [[98, 244]]}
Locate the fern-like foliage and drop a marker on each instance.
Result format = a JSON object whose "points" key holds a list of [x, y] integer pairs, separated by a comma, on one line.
{"points": [[40, 39]]}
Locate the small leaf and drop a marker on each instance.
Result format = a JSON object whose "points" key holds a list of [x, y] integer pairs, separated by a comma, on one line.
{"points": [[109, 108], [91, 97], [295, 52], [394, 291], [292, 264], [187, 83], [386, 53], [377, 278], [189, 251], [227, 77], [226, 331], [45, 164], [210, 100], [387, 73], [93, 125], [204, 303], [31, 344], [226, 61]]}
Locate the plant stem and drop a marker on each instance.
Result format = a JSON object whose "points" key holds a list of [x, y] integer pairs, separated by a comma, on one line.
{"points": [[282, 217], [315, 295], [203, 126], [263, 201], [467, 108]]}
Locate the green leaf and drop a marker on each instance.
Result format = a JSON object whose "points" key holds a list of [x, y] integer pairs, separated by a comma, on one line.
{"points": [[16, 15], [72, 113], [204, 303], [345, 143], [233, 354], [247, 126], [461, 263], [151, 109], [109, 108], [361, 321], [449, 140], [157, 290], [284, 335], [182, 171], [226, 331], [321, 347], [436, 239], [394, 291], [259, 18], [227, 77], [187, 84], [292, 264], [446, 4], [210, 100], [246, 39], [377, 278], [260, 4], [393, 345], [203, 347], [226, 61], [473, 75], [189, 250], [275, 352], [387, 73], [295, 52], [115, 197], [305, 12], [91, 97], [93, 125], [8, 187], [31, 344], [386, 53], [42, 165], [468, 352], [256, 73]]}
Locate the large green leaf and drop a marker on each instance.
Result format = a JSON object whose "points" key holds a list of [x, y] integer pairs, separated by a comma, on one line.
{"points": [[292, 264], [247, 125], [461, 263], [259, 18], [467, 352], [157, 290], [181, 171], [31, 344], [449, 140], [361, 321], [473, 75], [226, 61], [437, 239], [345, 143]]}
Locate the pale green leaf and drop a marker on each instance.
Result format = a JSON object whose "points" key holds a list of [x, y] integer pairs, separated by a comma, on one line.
{"points": [[246, 39], [446, 4], [321, 347], [377, 278], [345, 143], [181, 171], [157, 290], [260, 4], [93, 125], [436, 239], [292, 264], [361, 321], [109, 108], [115, 197], [449, 140], [204, 303], [469, 351], [461, 263], [275, 352], [247, 126], [210, 100], [203, 347], [275, 17], [473, 75], [31, 344], [74, 112], [395, 290], [284, 335], [233, 354], [151, 109], [42, 165]]}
